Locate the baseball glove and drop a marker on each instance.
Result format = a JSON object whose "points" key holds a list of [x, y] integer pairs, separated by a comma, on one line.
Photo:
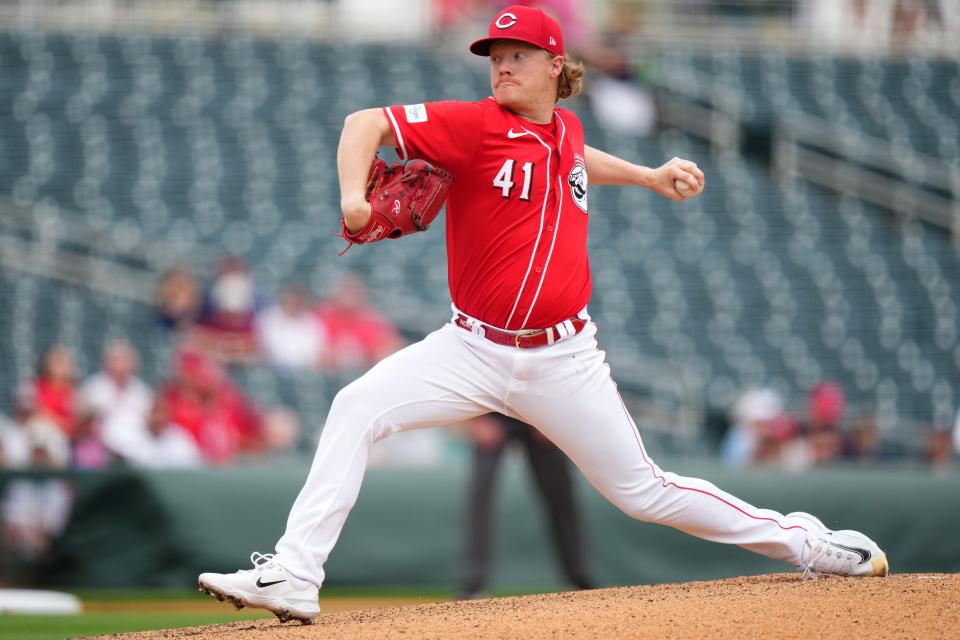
{"points": [[404, 198]]}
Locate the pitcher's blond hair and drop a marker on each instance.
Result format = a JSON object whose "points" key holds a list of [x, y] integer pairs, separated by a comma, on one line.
{"points": [[571, 79]]}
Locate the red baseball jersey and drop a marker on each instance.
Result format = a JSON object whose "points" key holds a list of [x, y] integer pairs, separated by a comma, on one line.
{"points": [[517, 211]]}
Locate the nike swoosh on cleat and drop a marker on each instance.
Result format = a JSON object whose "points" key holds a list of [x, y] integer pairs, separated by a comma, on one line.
{"points": [[864, 554], [513, 134], [267, 584]]}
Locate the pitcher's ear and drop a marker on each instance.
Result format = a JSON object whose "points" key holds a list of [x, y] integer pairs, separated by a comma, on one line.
{"points": [[556, 68]]}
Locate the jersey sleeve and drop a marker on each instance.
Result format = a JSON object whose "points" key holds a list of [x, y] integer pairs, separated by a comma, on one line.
{"points": [[443, 133]]}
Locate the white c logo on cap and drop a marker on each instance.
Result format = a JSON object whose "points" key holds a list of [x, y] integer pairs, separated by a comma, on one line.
{"points": [[506, 24]]}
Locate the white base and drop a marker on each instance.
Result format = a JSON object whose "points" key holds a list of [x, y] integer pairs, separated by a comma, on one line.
{"points": [[40, 602]]}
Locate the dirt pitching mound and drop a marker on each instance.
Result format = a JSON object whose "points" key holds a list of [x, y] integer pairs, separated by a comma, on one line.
{"points": [[776, 606]]}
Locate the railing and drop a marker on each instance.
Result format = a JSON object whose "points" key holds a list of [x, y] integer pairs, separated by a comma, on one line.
{"points": [[37, 240], [882, 172], [704, 121], [893, 177]]}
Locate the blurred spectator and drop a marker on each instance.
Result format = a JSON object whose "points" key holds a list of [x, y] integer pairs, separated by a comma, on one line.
{"points": [[201, 399], [15, 431], [620, 101], [915, 20], [49, 449], [157, 443], [491, 434], [753, 415], [29, 438], [89, 451], [281, 431], [177, 299], [836, 21], [35, 436], [863, 442], [938, 448], [357, 334], [875, 22], [289, 333], [34, 512], [119, 399], [779, 445], [54, 388], [227, 321], [826, 404]]}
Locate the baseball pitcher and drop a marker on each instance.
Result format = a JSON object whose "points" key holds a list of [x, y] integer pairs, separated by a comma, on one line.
{"points": [[515, 173]]}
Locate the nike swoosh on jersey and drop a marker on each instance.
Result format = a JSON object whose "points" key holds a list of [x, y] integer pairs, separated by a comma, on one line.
{"points": [[513, 134]]}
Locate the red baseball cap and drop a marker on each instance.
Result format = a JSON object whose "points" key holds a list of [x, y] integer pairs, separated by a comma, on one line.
{"points": [[526, 24]]}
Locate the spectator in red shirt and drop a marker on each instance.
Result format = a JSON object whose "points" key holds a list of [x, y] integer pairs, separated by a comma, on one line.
{"points": [[826, 404], [201, 399], [357, 334], [54, 388]]}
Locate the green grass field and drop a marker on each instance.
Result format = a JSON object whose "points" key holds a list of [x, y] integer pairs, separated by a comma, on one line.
{"points": [[117, 611], [92, 624]]}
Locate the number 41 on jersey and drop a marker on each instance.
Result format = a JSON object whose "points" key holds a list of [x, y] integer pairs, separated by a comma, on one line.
{"points": [[505, 182]]}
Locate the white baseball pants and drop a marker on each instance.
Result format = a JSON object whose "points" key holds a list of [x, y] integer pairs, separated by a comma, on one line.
{"points": [[565, 390]]}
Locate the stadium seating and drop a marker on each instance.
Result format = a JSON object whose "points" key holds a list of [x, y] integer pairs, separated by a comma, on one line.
{"points": [[227, 145], [912, 101]]}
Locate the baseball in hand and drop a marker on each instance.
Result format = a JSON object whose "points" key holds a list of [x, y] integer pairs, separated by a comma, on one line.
{"points": [[685, 189]]}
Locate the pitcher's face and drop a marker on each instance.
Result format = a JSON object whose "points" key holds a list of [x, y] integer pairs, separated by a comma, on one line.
{"points": [[522, 74]]}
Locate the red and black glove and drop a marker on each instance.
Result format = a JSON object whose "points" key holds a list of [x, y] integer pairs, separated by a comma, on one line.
{"points": [[404, 198]]}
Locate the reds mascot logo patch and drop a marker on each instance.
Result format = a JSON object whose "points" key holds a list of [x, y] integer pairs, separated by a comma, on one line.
{"points": [[578, 185]]}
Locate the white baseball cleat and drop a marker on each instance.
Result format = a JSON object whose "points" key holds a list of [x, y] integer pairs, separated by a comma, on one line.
{"points": [[267, 586], [845, 553], [810, 518]]}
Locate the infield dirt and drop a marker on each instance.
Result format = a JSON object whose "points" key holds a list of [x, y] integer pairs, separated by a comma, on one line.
{"points": [[777, 606]]}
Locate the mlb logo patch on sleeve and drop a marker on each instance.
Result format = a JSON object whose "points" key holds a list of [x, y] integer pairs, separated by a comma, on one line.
{"points": [[415, 112]]}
